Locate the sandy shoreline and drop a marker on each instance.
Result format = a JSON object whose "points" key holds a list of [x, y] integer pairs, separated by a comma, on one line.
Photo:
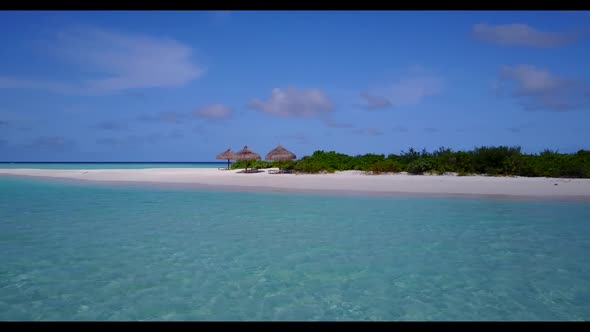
{"points": [[340, 182]]}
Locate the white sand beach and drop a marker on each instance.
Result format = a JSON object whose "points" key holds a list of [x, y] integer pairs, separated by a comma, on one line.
{"points": [[341, 182]]}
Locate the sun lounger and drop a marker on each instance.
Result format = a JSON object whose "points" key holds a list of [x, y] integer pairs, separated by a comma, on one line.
{"points": [[250, 170], [281, 171]]}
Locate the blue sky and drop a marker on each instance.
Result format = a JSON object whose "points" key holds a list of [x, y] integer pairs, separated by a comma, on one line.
{"points": [[185, 86]]}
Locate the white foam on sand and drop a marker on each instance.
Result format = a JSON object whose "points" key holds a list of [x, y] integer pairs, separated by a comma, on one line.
{"points": [[343, 182]]}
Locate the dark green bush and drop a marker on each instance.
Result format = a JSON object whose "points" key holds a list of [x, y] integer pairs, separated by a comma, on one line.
{"points": [[420, 166], [462, 162], [408, 157], [258, 164], [385, 166], [332, 160], [501, 160], [288, 164], [365, 162], [309, 165]]}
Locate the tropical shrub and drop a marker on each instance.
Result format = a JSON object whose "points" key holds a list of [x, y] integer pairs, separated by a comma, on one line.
{"points": [[259, 164], [385, 166], [420, 166]]}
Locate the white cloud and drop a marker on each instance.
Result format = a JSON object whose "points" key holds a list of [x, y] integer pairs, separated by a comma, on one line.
{"points": [[412, 88], [531, 80], [520, 34], [411, 91], [374, 102], [538, 88], [117, 62], [213, 112], [294, 102]]}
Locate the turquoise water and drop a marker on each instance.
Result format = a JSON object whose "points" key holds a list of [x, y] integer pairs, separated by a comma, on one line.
{"points": [[73, 251], [112, 165]]}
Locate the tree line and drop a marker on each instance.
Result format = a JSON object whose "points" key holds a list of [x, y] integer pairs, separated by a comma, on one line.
{"points": [[501, 160]]}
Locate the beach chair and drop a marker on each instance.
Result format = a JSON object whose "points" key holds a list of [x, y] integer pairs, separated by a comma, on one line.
{"points": [[250, 170], [280, 171]]}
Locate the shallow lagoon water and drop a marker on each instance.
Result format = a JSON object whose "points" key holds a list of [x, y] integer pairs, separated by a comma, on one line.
{"points": [[80, 251], [114, 165]]}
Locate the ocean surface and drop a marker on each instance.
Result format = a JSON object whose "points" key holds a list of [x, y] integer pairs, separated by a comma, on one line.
{"points": [[79, 251], [112, 165]]}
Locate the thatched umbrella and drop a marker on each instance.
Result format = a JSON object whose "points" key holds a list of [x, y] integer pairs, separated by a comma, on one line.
{"points": [[228, 154], [247, 155], [280, 153]]}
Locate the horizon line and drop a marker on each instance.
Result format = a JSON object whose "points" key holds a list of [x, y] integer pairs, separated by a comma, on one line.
{"points": [[113, 162]]}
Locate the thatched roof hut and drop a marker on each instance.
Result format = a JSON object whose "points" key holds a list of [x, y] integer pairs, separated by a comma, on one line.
{"points": [[228, 154], [280, 153], [246, 154]]}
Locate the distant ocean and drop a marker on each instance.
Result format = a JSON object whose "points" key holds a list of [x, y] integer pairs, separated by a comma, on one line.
{"points": [[110, 165], [80, 251]]}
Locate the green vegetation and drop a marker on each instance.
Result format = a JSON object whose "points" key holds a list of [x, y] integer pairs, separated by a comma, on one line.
{"points": [[256, 164], [502, 160]]}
